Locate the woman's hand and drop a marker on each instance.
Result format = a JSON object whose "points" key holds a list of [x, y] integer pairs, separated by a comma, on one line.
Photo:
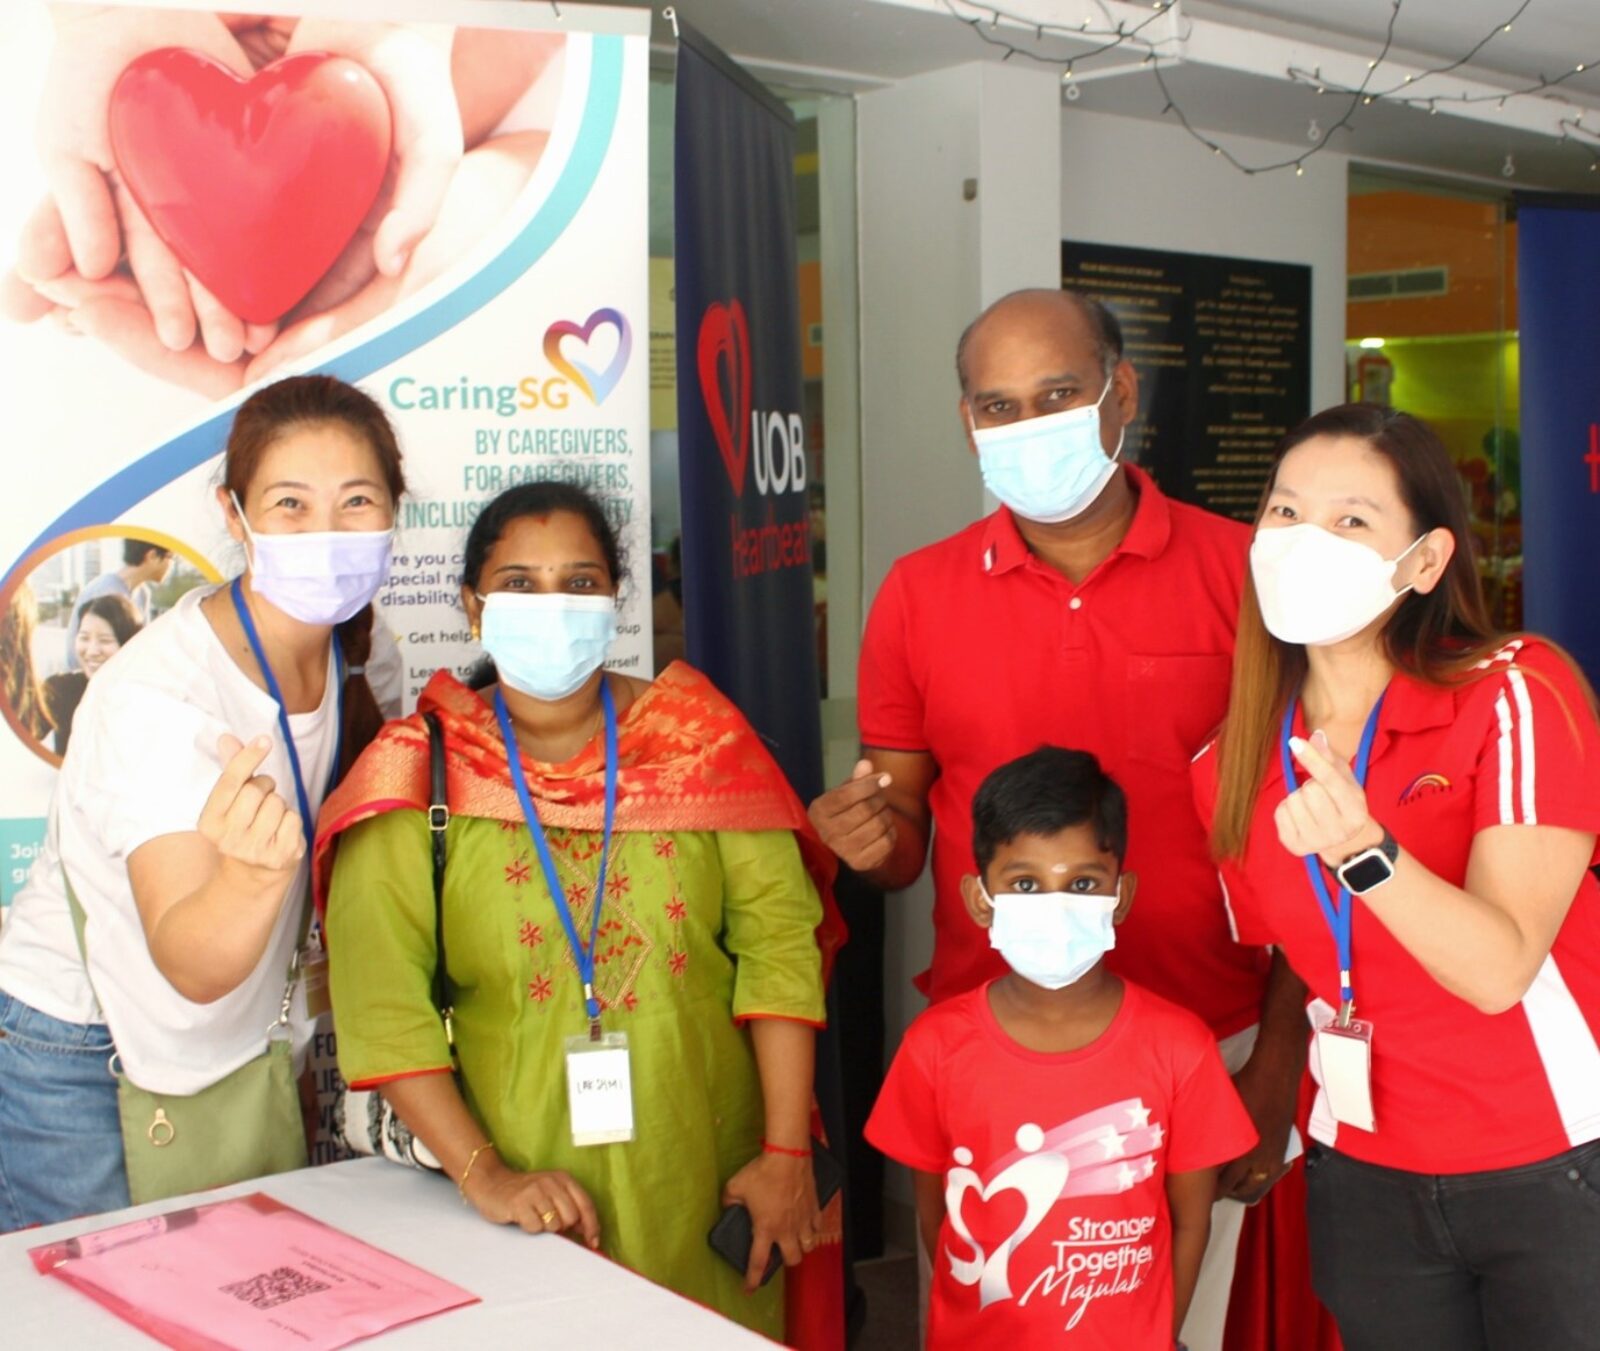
{"points": [[1327, 815], [245, 819], [411, 63], [781, 1195], [540, 1203]]}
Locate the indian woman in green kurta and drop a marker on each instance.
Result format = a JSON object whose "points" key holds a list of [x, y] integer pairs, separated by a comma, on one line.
{"points": [[709, 951]]}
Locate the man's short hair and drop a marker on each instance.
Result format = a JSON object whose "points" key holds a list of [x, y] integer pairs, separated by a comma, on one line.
{"points": [[1043, 793], [1102, 323], [135, 551]]}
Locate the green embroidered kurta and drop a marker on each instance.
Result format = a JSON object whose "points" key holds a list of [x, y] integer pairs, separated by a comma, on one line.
{"points": [[698, 929]]}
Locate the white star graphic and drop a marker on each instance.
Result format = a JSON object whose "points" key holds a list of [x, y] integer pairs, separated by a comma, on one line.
{"points": [[1126, 1177], [1149, 1168], [1139, 1116], [1115, 1145], [1156, 1135]]}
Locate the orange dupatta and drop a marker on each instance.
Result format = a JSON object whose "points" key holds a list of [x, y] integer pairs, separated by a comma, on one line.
{"points": [[689, 761]]}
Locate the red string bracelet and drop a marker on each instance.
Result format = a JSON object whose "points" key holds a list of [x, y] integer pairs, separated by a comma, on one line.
{"points": [[787, 1153]]}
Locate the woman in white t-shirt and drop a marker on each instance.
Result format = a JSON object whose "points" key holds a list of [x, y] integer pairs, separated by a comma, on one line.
{"points": [[201, 754]]}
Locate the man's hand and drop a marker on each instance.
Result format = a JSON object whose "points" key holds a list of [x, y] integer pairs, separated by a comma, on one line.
{"points": [[1270, 1093], [855, 819]]}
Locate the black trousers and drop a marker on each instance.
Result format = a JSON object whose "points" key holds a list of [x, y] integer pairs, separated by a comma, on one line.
{"points": [[1507, 1260]]}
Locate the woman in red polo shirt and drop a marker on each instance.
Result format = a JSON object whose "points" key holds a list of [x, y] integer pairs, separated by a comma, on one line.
{"points": [[1406, 803]]}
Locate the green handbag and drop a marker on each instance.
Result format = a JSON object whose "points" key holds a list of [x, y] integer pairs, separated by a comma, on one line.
{"points": [[245, 1126]]}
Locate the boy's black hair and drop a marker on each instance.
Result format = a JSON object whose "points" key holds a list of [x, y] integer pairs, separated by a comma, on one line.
{"points": [[135, 551], [1044, 792]]}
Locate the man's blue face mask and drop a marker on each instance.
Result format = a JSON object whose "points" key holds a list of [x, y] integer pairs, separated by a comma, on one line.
{"points": [[1048, 469]]}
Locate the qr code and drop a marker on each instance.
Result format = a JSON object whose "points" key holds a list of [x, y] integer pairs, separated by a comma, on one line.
{"points": [[273, 1288]]}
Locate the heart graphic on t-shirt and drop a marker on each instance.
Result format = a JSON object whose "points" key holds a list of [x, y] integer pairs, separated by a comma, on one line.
{"points": [[724, 340], [992, 1218], [257, 185], [1038, 1180]]}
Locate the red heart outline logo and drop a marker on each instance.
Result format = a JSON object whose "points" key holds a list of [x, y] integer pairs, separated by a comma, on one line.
{"points": [[725, 334], [257, 185]]}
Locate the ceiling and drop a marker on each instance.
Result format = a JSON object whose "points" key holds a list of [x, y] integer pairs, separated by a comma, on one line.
{"points": [[853, 45]]}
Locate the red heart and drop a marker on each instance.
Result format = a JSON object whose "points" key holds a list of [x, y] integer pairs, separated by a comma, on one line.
{"points": [[724, 333], [991, 1223], [256, 185]]}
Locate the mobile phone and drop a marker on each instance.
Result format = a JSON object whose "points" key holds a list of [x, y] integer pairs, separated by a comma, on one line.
{"points": [[733, 1234]]}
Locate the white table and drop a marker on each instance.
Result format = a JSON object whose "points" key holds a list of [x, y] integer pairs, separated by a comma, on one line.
{"points": [[536, 1291]]}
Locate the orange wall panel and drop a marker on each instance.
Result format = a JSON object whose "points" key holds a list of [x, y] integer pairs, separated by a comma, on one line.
{"points": [[1396, 231]]}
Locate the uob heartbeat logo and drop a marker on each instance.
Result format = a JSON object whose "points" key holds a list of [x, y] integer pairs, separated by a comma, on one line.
{"points": [[769, 441]]}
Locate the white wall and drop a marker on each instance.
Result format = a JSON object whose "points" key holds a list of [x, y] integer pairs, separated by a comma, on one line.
{"points": [[1151, 185], [930, 260]]}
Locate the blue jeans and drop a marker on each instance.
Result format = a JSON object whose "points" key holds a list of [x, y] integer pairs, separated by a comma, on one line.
{"points": [[60, 1137]]}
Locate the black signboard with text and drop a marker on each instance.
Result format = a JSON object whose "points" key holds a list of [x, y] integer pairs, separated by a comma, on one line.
{"points": [[1223, 351]]}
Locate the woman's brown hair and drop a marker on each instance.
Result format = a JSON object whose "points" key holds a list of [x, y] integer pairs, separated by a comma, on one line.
{"points": [[1439, 637], [21, 687], [309, 401]]}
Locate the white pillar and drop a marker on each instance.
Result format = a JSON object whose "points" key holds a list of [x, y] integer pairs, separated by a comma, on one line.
{"points": [[960, 199]]}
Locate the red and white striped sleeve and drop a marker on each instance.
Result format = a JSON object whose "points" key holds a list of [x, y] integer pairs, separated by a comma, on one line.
{"points": [[1540, 760]]}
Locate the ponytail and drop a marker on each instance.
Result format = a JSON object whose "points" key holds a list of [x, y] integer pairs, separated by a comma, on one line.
{"points": [[362, 717]]}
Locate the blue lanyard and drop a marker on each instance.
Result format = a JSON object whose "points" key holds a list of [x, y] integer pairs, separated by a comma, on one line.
{"points": [[307, 821], [581, 954], [1337, 917]]}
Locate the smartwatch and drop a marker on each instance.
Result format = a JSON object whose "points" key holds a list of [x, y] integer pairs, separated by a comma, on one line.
{"points": [[1370, 869]]}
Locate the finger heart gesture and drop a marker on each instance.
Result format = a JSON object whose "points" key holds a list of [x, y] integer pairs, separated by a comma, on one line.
{"points": [[1327, 815], [245, 818]]}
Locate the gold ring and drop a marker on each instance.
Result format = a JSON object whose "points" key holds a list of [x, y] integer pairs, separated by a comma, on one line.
{"points": [[549, 1218], [808, 1243], [1260, 1174]]}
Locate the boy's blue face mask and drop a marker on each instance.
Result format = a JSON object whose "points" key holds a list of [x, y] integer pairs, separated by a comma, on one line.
{"points": [[1051, 468], [1053, 938]]}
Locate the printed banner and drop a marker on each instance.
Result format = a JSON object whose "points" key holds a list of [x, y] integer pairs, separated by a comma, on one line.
{"points": [[749, 616], [1558, 281], [200, 202]]}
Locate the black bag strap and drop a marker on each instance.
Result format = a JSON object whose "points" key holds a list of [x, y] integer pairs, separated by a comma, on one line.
{"points": [[438, 823]]}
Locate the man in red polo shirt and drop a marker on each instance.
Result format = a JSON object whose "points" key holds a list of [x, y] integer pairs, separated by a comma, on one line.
{"points": [[1089, 611]]}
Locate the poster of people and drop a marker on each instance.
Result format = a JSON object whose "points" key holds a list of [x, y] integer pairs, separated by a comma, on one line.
{"points": [[444, 203]]}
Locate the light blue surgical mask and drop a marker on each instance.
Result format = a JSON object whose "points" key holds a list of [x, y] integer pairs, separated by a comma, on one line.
{"points": [[547, 644], [1053, 938], [1051, 468]]}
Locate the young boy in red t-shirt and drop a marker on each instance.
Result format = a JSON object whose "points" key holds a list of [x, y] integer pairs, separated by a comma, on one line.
{"points": [[1065, 1127]]}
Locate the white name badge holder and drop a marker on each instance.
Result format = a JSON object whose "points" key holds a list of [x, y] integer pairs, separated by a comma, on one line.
{"points": [[1344, 1043], [599, 1072]]}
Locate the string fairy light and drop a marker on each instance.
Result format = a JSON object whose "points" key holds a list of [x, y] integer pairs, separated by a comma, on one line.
{"points": [[984, 19]]}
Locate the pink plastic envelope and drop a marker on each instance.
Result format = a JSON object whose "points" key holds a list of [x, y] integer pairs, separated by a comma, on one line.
{"points": [[248, 1274]]}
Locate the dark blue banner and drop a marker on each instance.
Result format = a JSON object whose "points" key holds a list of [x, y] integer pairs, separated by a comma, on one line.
{"points": [[747, 590], [1558, 282]]}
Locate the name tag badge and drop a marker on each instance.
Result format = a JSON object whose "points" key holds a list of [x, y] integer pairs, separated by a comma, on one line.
{"points": [[314, 971], [600, 1089], [1344, 1055]]}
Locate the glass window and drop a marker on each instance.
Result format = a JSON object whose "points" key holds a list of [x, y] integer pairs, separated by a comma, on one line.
{"points": [[1431, 327]]}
